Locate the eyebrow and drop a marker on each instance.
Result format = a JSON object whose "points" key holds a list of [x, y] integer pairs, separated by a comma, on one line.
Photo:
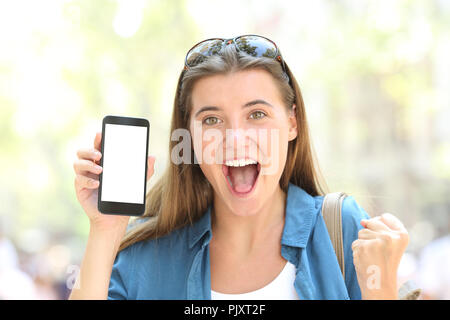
{"points": [[248, 104]]}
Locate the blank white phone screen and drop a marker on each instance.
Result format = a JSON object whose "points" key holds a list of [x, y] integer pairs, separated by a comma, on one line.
{"points": [[124, 159]]}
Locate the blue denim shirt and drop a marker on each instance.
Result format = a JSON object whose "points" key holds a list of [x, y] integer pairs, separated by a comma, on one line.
{"points": [[176, 266]]}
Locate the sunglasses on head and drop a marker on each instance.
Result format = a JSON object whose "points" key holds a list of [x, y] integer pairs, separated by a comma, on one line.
{"points": [[252, 44]]}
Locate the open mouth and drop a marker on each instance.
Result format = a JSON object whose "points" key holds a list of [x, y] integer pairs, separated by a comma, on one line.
{"points": [[241, 175]]}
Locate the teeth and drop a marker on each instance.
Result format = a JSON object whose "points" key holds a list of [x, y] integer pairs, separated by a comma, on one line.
{"points": [[240, 162]]}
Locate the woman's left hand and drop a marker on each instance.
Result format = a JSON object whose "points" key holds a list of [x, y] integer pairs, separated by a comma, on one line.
{"points": [[376, 255]]}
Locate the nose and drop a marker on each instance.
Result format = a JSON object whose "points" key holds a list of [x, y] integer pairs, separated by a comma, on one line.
{"points": [[240, 140], [235, 137], [235, 143], [241, 143], [236, 129]]}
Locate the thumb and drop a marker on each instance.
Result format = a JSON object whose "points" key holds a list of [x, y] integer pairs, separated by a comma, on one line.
{"points": [[150, 166]]}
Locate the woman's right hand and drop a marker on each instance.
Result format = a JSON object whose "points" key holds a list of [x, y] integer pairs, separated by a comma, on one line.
{"points": [[87, 173]]}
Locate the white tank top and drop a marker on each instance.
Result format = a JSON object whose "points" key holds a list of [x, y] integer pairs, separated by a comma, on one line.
{"points": [[281, 288]]}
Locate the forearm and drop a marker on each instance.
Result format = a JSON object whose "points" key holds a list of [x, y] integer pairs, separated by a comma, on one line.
{"points": [[95, 272], [386, 291], [380, 295]]}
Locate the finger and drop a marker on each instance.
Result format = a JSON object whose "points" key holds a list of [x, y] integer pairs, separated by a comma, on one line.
{"points": [[82, 181], [357, 243], [151, 167], [363, 222], [83, 166], [89, 154], [376, 224], [367, 234], [392, 222]]}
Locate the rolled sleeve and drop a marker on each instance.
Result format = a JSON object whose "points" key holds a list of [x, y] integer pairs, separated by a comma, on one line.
{"points": [[117, 289]]}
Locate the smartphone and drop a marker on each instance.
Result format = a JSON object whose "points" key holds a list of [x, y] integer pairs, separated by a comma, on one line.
{"points": [[123, 179]]}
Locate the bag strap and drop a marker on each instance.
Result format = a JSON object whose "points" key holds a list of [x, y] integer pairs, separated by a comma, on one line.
{"points": [[331, 212]]}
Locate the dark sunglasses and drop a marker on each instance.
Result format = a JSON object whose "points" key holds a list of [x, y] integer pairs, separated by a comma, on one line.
{"points": [[252, 44]]}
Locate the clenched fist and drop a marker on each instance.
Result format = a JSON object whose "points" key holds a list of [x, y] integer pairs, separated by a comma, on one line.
{"points": [[376, 255]]}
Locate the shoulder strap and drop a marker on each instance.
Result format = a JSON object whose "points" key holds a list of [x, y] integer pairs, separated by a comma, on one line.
{"points": [[331, 211]]}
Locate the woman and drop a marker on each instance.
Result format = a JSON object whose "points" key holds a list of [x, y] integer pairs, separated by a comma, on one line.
{"points": [[245, 222]]}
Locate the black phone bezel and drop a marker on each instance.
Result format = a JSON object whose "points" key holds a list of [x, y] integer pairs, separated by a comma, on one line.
{"points": [[123, 208]]}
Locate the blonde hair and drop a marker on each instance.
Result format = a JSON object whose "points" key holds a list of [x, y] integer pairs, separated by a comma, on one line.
{"points": [[182, 195]]}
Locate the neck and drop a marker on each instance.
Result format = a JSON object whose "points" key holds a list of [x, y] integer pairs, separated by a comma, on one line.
{"points": [[246, 233]]}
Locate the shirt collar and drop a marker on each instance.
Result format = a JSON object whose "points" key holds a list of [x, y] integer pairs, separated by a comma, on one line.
{"points": [[200, 227], [300, 210], [300, 213]]}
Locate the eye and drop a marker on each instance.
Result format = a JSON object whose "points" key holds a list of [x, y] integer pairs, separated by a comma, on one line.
{"points": [[257, 115], [210, 121]]}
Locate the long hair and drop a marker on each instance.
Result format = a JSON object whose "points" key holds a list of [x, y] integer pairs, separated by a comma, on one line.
{"points": [[182, 195]]}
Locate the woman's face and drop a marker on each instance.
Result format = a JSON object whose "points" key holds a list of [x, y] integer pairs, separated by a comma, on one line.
{"points": [[240, 130]]}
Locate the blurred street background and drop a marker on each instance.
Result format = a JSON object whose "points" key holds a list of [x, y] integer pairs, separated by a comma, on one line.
{"points": [[375, 76]]}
